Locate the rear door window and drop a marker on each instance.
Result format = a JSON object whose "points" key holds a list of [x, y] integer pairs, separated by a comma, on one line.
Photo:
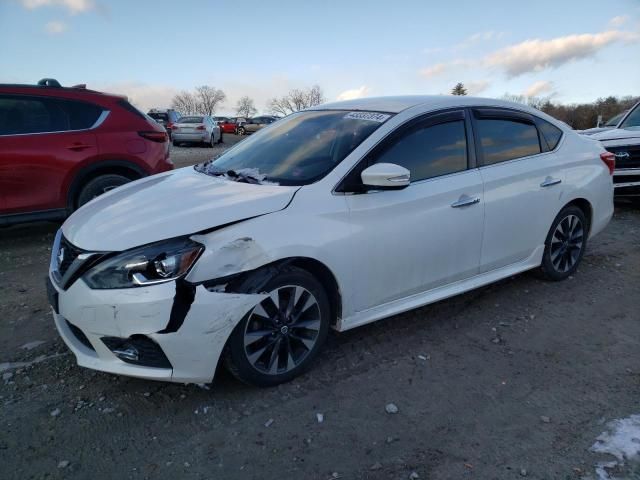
{"points": [[25, 114], [506, 139]]}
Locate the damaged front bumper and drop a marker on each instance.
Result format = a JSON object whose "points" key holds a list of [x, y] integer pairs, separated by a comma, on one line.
{"points": [[149, 332]]}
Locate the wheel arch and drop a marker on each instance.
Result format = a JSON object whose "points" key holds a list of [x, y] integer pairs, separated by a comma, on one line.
{"points": [[251, 281], [586, 207], [93, 170]]}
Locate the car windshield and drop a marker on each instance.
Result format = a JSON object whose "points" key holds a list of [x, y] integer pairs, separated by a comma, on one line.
{"points": [[190, 120], [613, 121], [298, 149], [159, 116], [633, 119]]}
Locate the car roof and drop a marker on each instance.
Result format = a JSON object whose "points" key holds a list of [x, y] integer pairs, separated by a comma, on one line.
{"points": [[399, 103]]}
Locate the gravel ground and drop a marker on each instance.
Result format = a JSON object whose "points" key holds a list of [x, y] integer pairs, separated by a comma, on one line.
{"points": [[513, 380]]}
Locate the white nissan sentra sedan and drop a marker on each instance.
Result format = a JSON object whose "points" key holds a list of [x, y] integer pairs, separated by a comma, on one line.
{"points": [[332, 217]]}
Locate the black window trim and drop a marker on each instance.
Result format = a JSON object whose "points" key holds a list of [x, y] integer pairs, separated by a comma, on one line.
{"points": [[501, 113], [428, 119], [101, 118]]}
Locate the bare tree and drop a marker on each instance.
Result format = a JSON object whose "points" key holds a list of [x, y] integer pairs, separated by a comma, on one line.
{"points": [[185, 103], [245, 107], [208, 98], [296, 100]]}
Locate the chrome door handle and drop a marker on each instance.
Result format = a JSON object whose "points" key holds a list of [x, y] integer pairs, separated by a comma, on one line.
{"points": [[465, 201], [549, 182]]}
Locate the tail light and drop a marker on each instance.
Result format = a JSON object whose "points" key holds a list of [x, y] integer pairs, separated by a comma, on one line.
{"points": [[610, 160], [201, 127], [170, 125], [154, 136], [174, 127]]}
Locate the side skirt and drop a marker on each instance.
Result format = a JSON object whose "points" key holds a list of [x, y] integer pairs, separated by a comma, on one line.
{"points": [[440, 293]]}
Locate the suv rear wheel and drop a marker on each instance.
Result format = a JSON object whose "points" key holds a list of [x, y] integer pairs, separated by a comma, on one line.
{"points": [[99, 185]]}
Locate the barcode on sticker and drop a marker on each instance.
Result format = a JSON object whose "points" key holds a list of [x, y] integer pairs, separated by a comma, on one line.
{"points": [[371, 116]]}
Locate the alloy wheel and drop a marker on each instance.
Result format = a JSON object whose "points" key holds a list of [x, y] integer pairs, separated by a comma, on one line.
{"points": [[566, 243], [282, 330]]}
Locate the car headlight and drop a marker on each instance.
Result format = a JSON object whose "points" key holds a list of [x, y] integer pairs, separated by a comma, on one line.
{"points": [[147, 265]]}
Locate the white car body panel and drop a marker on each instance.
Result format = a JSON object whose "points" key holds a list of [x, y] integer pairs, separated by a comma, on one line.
{"points": [[184, 202], [389, 251]]}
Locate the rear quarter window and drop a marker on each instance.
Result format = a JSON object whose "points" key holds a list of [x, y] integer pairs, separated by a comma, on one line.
{"points": [[550, 133]]}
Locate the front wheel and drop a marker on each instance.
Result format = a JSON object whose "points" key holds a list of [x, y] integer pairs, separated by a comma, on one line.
{"points": [[565, 245], [280, 337], [241, 131]]}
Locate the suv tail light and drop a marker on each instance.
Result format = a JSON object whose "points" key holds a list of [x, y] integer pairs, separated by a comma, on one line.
{"points": [[610, 160], [154, 136], [201, 127]]}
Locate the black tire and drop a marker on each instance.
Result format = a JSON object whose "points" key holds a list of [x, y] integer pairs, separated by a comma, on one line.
{"points": [[175, 144], [212, 142], [220, 139], [236, 356], [241, 131], [99, 185], [563, 253]]}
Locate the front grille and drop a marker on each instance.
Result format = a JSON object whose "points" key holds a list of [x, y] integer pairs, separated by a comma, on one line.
{"points": [[626, 178], [631, 160], [80, 336], [68, 253]]}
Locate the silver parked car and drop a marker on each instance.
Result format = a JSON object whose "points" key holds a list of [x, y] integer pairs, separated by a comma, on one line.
{"points": [[254, 124], [196, 129]]}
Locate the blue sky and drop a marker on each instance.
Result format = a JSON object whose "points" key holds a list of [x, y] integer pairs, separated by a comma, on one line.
{"points": [[572, 50]]}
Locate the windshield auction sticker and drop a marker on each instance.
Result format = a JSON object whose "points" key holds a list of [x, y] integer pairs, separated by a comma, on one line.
{"points": [[371, 116]]}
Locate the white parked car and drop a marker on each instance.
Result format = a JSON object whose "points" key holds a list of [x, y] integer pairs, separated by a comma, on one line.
{"points": [[196, 129], [332, 217], [624, 143]]}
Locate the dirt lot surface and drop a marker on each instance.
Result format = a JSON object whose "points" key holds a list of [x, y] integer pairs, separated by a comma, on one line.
{"points": [[510, 381]]}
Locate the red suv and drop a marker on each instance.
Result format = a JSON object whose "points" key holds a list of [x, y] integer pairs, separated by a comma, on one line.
{"points": [[61, 147]]}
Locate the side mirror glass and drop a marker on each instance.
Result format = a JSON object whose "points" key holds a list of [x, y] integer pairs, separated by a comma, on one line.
{"points": [[386, 176]]}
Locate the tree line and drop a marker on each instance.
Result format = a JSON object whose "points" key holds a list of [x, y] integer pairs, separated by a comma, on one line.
{"points": [[204, 100], [579, 116]]}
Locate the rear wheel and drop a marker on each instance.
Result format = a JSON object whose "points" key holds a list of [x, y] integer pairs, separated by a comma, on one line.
{"points": [[212, 141], [565, 245], [281, 336], [99, 185]]}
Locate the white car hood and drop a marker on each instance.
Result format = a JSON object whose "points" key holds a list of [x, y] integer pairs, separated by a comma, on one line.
{"points": [[618, 134], [168, 205]]}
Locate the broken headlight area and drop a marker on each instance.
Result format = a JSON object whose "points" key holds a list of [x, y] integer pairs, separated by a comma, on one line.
{"points": [[147, 265]]}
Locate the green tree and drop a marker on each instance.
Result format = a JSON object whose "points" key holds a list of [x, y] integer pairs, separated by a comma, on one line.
{"points": [[459, 89]]}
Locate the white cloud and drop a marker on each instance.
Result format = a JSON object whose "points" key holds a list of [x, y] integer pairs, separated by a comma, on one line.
{"points": [[73, 6], [142, 95], [442, 68], [538, 88], [536, 55], [354, 93], [55, 27], [618, 21], [434, 70], [477, 87], [485, 36]]}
